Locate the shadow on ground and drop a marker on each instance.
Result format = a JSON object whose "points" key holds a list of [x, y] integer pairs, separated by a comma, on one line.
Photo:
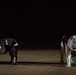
{"points": [[24, 63]]}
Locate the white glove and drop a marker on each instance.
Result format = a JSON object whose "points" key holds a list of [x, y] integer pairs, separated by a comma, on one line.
{"points": [[0, 47], [16, 44]]}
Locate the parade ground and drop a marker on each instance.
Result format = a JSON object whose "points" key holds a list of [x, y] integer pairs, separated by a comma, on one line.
{"points": [[36, 62]]}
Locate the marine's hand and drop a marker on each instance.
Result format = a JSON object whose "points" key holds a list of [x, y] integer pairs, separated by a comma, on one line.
{"points": [[16, 44], [0, 47]]}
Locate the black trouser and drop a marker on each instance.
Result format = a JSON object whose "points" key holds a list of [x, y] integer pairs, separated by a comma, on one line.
{"points": [[12, 52]]}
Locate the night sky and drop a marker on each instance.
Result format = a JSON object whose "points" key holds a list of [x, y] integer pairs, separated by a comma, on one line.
{"points": [[39, 24]]}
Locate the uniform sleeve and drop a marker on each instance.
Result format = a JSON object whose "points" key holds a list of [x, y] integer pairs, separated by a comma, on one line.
{"points": [[16, 43], [1, 43]]}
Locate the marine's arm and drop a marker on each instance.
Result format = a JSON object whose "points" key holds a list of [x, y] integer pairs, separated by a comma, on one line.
{"points": [[16, 43]]}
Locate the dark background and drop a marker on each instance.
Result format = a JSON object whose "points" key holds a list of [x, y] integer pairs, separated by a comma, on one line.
{"points": [[37, 24]]}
